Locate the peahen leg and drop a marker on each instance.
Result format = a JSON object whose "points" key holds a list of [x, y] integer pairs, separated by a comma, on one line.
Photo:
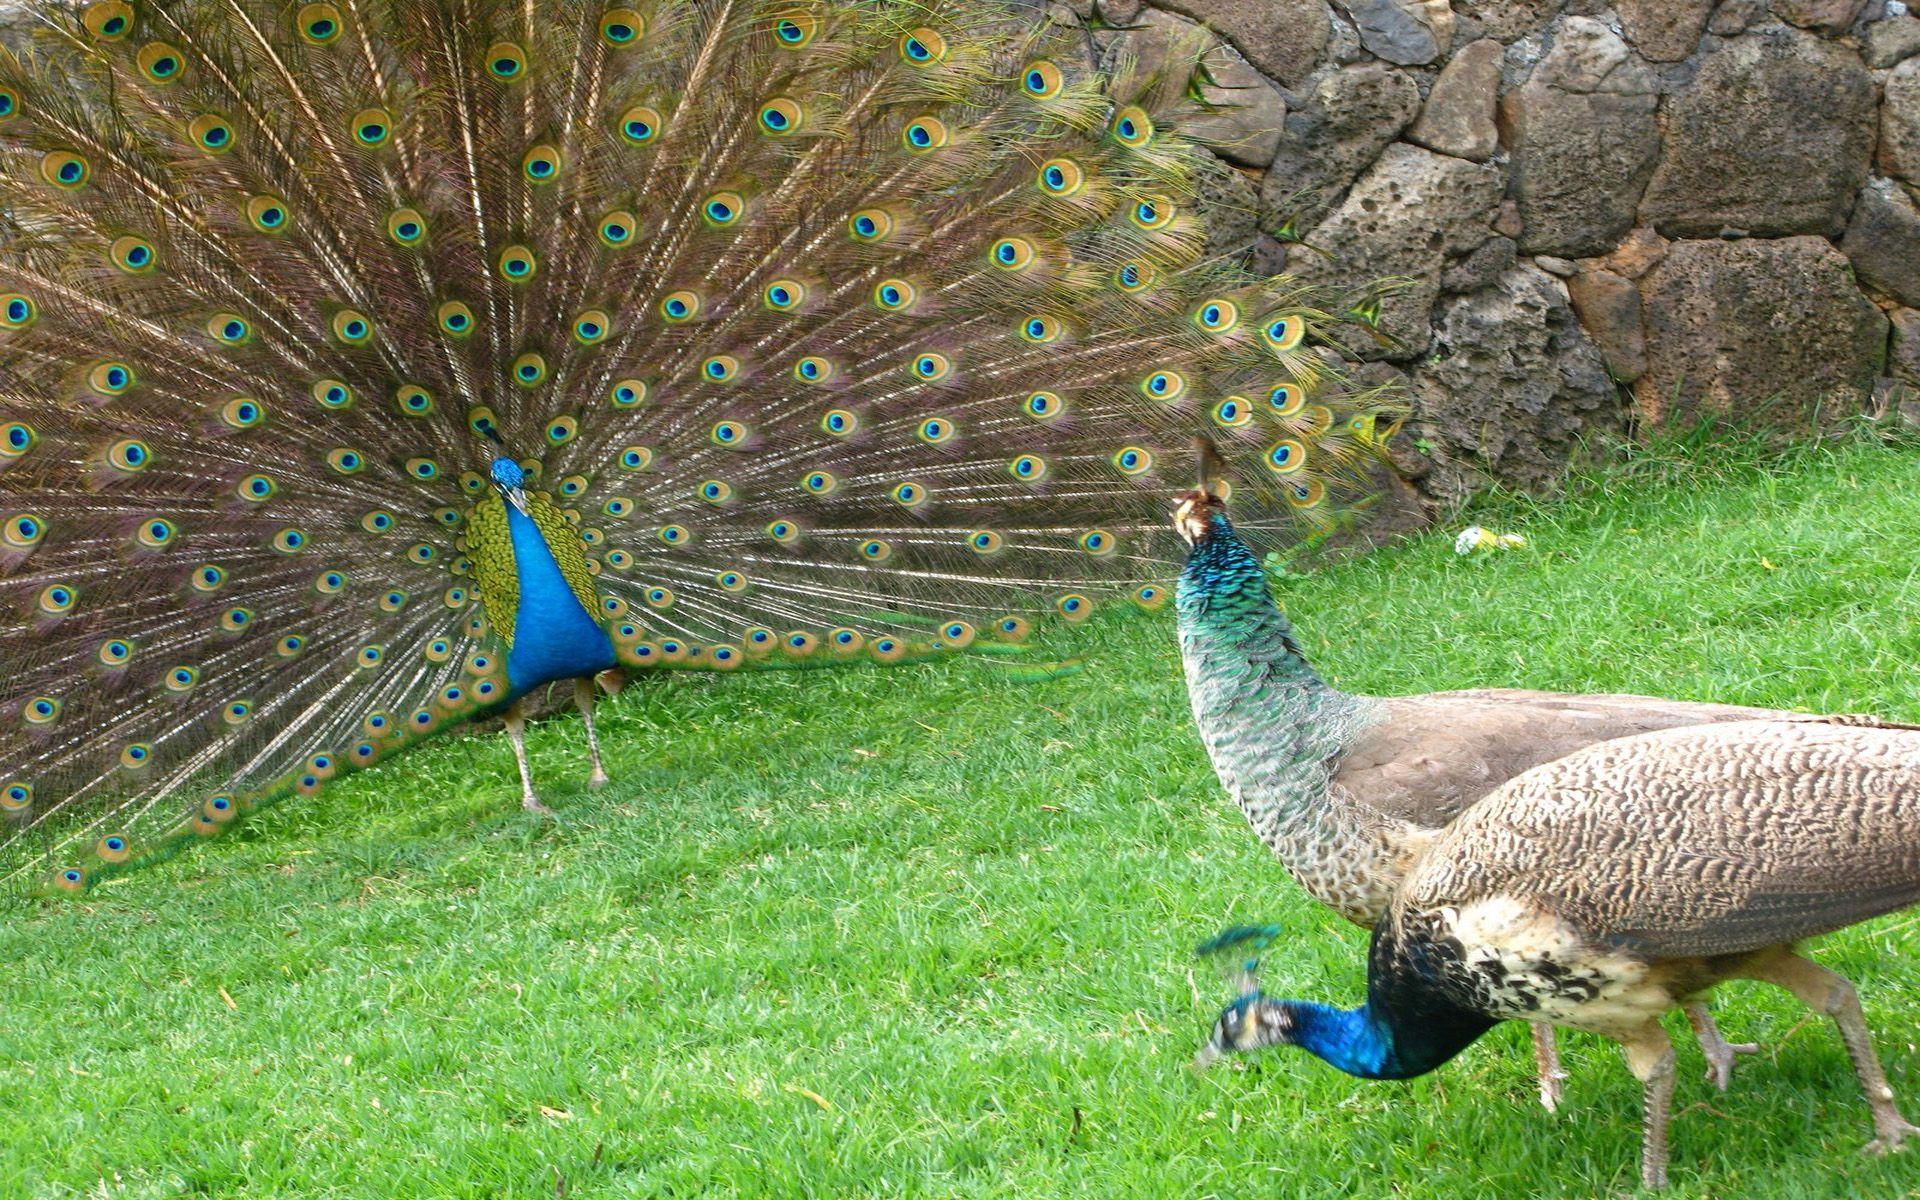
{"points": [[1833, 994], [1719, 1051], [1546, 1056], [516, 720], [583, 689], [1650, 1057]]}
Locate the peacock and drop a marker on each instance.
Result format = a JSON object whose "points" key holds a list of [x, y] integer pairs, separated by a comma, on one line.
{"points": [[1350, 790], [370, 366], [1604, 889]]}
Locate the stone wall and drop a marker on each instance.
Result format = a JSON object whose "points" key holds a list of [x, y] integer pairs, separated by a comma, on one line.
{"points": [[1612, 213]]}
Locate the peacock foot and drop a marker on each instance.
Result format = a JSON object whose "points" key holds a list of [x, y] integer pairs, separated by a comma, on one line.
{"points": [[597, 780], [1720, 1060], [1893, 1133], [532, 804]]}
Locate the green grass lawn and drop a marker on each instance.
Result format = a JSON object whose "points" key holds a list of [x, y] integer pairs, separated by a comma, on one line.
{"points": [[927, 933]]}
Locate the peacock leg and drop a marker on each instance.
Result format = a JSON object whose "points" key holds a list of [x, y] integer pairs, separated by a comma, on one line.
{"points": [[1719, 1051], [1546, 1056], [583, 698], [516, 721], [1833, 994], [1650, 1057]]}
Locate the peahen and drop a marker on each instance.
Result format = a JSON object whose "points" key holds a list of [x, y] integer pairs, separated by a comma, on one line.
{"points": [[1348, 790], [367, 366], [1602, 890]]}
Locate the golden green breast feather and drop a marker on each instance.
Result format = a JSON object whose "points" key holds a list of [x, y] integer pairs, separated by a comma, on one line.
{"points": [[490, 547]]}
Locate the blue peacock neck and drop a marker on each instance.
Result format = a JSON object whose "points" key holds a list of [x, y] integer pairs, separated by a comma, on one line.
{"points": [[1272, 726], [555, 637], [1374, 1044]]}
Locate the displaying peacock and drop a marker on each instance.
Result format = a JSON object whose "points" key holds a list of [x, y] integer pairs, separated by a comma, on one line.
{"points": [[367, 366], [1691, 857], [1349, 790]]}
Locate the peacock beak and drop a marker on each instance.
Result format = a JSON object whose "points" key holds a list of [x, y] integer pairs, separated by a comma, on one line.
{"points": [[516, 497], [1209, 1054]]}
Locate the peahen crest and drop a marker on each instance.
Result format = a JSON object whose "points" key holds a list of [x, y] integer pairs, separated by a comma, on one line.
{"points": [[812, 332]]}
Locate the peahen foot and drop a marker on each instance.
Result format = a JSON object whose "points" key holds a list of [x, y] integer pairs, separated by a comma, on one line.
{"points": [[1894, 1132], [1719, 1051], [1546, 1054], [597, 780]]}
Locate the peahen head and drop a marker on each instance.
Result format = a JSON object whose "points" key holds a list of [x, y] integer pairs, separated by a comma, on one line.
{"points": [[1202, 512]]}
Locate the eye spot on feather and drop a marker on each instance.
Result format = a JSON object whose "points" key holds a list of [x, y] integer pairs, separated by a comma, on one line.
{"points": [[876, 550], [932, 368], [894, 295], [922, 47], [57, 599], [406, 227], [541, 165], [675, 535], [721, 368], [1286, 456], [641, 125], [839, 422], [1306, 493], [377, 521], [1012, 254], [1041, 329], [1062, 177], [715, 491], [616, 229], [1132, 460], [1284, 334], [64, 169], [17, 310], [41, 710], [723, 209], [518, 264], [136, 755], [9, 104], [635, 458], [1153, 212], [352, 328], [795, 28], [658, 597], [820, 483], [1233, 413], [935, 431], [924, 135], [910, 494], [319, 24], [267, 214], [212, 133], [133, 255], [1164, 386], [784, 295], [1043, 406], [208, 578], [256, 489], [730, 581], [331, 393], [783, 531], [506, 62], [372, 127], [622, 28], [1132, 127], [680, 306], [423, 470], [236, 619], [1012, 628], [957, 635], [985, 541], [129, 455], [1074, 607], [156, 534], [813, 369], [16, 438], [529, 370], [1217, 316], [160, 63], [628, 393], [870, 225], [781, 116], [1028, 468], [109, 20], [229, 329], [1042, 80]]}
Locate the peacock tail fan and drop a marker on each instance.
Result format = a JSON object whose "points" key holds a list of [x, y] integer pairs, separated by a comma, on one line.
{"points": [[821, 332]]}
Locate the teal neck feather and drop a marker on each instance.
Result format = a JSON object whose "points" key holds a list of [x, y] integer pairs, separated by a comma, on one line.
{"points": [[1273, 727], [1372, 1045], [554, 637]]}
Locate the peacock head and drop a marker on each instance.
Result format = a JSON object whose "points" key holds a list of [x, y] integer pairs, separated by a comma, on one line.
{"points": [[1198, 512], [1250, 1023], [510, 480]]}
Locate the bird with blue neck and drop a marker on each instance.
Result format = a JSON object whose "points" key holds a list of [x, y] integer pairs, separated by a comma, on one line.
{"points": [[369, 368]]}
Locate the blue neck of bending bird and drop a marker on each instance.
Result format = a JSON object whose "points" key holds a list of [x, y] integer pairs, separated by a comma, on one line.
{"points": [[554, 637], [1374, 1044]]}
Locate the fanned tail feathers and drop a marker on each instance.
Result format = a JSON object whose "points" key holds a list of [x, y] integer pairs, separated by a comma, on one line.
{"points": [[835, 330]]}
